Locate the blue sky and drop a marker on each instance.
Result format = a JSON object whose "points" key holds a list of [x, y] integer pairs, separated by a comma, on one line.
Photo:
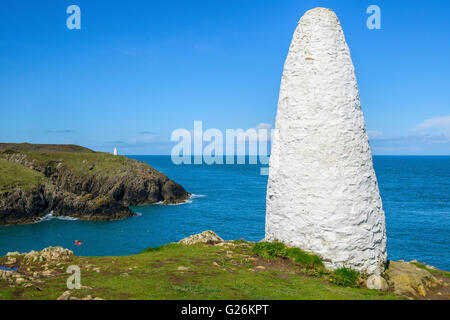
{"points": [[137, 70]]}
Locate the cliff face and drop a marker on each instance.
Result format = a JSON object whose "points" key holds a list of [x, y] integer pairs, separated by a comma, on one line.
{"points": [[77, 182]]}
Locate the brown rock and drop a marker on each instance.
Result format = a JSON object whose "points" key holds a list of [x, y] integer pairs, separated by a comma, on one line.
{"points": [[408, 279]]}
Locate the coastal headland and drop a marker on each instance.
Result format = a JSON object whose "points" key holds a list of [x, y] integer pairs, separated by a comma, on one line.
{"points": [[73, 181]]}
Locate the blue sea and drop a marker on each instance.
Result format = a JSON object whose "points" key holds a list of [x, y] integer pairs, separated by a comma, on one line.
{"points": [[230, 200]]}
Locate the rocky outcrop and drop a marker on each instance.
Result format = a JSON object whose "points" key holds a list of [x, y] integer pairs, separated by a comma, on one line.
{"points": [[410, 280], [80, 184], [55, 254], [32, 269], [26, 206], [208, 237], [22, 206], [322, 191], [22, 266]]}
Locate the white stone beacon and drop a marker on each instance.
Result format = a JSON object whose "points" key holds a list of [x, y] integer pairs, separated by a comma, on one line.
{"points": [[322, 193], [115, 152]]}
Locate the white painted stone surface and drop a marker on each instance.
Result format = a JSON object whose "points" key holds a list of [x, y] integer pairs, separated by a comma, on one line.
{"points": [[322, 192]]}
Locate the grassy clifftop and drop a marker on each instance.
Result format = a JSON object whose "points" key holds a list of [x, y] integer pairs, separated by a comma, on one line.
{"points": [[204, 266], [80, 162], [229, 270], [14, 176], [29, 147], [76, 158]]}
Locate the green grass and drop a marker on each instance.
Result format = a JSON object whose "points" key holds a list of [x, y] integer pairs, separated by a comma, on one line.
{"points": [[14, 176], [28, 147], [311, 264], [271, 250], [345, 277], [439, 272], [82, 163], [310, 261], [213, 272]]}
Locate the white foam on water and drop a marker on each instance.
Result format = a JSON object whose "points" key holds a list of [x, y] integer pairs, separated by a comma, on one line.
{"points": [[187, 201], [181, 203], [50, 216], [193, 196], [66, 218]]}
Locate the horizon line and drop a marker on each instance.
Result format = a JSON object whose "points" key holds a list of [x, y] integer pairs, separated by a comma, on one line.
{"points": [[374, 155]]}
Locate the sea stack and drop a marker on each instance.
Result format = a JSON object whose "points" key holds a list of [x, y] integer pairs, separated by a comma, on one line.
{"points": [[322, 192]]}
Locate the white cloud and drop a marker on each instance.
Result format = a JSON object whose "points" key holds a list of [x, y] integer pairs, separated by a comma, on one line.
{"points": [[437, 125], [420, 143]]}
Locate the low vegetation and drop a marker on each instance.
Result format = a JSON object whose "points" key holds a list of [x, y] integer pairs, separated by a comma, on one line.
{"points": [[433, 271], [310, 263], [345, 277], [271, 250], [81, 163]]}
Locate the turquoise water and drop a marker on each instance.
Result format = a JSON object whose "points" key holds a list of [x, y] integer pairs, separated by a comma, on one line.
{"points": [[230, 199]]}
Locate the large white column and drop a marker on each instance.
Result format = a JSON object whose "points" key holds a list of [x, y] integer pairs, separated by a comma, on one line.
{"points": [[322, 193]]}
